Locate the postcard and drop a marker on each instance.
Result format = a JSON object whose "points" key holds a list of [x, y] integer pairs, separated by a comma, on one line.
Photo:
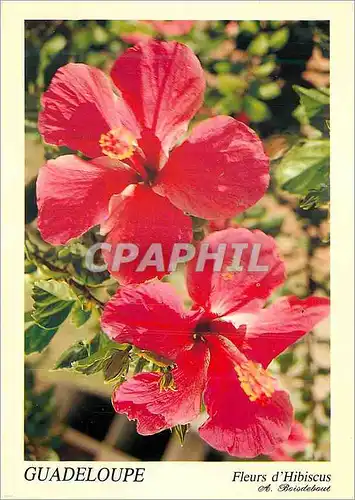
{"points": [[177, 304]]}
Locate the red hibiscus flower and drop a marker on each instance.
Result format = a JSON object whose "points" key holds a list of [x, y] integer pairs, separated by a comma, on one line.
{"points": [[297, 441], [219, 350], [130, 129]]}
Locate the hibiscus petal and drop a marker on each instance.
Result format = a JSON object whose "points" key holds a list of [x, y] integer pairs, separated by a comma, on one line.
{"points": [[163, 83], [73, 195], [236, 425], [141, 217], [298, 439], [141, 398], [131, 399], [220, 170], [153, 151], [225, 292], [229, 331], [149, 316], [297, 442], [277, 327], [79, 106]]}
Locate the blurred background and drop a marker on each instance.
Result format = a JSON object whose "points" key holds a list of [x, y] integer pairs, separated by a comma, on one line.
{"points": [[268, 74]]}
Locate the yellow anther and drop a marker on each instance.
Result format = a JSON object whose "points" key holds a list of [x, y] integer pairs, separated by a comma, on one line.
{"points": [[118, 143], [256, 382], [227, 276]]}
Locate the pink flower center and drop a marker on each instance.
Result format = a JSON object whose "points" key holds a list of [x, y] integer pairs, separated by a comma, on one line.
{"points": [[118, 143], [256, 382]]}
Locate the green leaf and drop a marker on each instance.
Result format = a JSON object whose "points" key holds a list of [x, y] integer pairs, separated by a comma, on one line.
{"points": [[315, 198], [99, 351], [312, 96], [316, 177], [99, 35], [275, 24], [79, 350], [53, 45], [29, 378], [51, 456], [49, 50], [259, 46], [312, 102], [140, 364], [228, 84], [31, 209], [102, 341], [257, 110], [37, 338], [81, 39], [181, 430], [255, 212], [53, 303], [269, 90], [222, 67], [99, 59], [91, 364], [79, 316], [95, 343], [51, 313], [264, 69], [59, 289], [29, 267], [28, 317], [285, 361], [64, 252], [249, 26], [300, 114], [279, 38], [305, 167], [116, 366], [270, 225], [229, 104]]}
